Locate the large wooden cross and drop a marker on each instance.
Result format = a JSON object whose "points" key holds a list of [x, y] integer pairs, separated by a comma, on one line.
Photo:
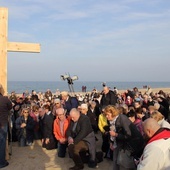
{"points": [[6, 46]]}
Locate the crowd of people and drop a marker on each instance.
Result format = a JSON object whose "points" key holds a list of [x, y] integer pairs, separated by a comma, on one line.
{"points": [[134, 126]]}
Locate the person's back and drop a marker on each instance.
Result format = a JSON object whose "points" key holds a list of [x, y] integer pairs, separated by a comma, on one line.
{"points": [[5, 107], [156, 154]]}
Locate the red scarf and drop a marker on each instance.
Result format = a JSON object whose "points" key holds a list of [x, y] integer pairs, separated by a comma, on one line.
{"points": [[161, 135]]}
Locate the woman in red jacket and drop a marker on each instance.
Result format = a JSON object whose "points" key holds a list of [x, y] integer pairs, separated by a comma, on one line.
{"points": [[61, 124]]}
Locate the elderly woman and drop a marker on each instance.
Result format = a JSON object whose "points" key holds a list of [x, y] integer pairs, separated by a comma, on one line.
{"points": [[160, 119], [125, 139]]}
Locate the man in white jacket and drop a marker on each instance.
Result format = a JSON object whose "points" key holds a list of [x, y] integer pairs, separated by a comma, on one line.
{"points": [[156, 155]]}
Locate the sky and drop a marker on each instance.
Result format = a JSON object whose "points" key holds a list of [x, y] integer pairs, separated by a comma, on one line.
{"points": [[97, 40]]}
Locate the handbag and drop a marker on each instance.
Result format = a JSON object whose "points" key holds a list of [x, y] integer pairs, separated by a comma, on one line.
{"points": [[125, 159]]}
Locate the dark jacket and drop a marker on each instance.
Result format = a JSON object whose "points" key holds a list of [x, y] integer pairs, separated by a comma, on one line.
{"points": [[108, 99], [28, 131], [5, 107], [71, 103], [83, 132], [47, 124], [128, 135], [93, 120]]}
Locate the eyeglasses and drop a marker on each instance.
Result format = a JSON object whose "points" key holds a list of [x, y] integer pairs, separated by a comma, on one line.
{"points": [[60, 114]]}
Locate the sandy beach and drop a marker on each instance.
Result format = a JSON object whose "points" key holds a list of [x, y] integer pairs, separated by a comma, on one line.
{"points": [[154, 90], [37, 158]]}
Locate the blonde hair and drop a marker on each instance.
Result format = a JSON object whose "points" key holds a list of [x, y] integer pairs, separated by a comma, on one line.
{"points": [[111, 109], [157, 115], [64, 93]]}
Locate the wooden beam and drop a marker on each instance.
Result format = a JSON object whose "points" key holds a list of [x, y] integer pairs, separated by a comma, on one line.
{"points": [[3, 47], [23, 47]]}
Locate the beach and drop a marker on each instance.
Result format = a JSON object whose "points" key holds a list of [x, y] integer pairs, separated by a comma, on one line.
{"points": [[37, 158], [154, 90]]}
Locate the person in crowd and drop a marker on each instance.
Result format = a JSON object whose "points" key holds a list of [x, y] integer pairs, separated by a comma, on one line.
{"points": [[35, 115], [137, 104], [145, 102], [25, 128], [149, 90], [48, 95], [91, 116], [13, 97], [162, 100], [41, 112], [49, 141], [94, 109], [124, 136], [34, 96], [5, 107], [161, 109], [137, 121], [57, 105], [156, 152], [69, 102], [40, 96], [151, 109], [104, 129], [160, 119], [61, 124], [129, 101], [94, 93], [141, 114], [115, 90], [108, 97], [80, 138]]}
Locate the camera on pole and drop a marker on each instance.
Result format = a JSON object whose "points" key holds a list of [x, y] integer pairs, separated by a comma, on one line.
{"points": [[69, 81]]}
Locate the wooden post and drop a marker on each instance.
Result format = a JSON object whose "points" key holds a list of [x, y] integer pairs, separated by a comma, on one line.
{"points": [[3, 47], [6, 46]]}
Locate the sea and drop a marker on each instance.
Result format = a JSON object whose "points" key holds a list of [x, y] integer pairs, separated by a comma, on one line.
{"points": [[42, 86]]}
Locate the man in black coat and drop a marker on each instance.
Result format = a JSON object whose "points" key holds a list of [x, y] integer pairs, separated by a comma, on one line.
{"points": [[108, 97], [49, 141], [81, 138], [5, 107]]}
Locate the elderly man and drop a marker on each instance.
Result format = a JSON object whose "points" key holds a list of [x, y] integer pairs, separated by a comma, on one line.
{"points": [[5, 107], [60, 127], [108, 97], [69, 102], [85, 110], [80, 138], [156, 154]]}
